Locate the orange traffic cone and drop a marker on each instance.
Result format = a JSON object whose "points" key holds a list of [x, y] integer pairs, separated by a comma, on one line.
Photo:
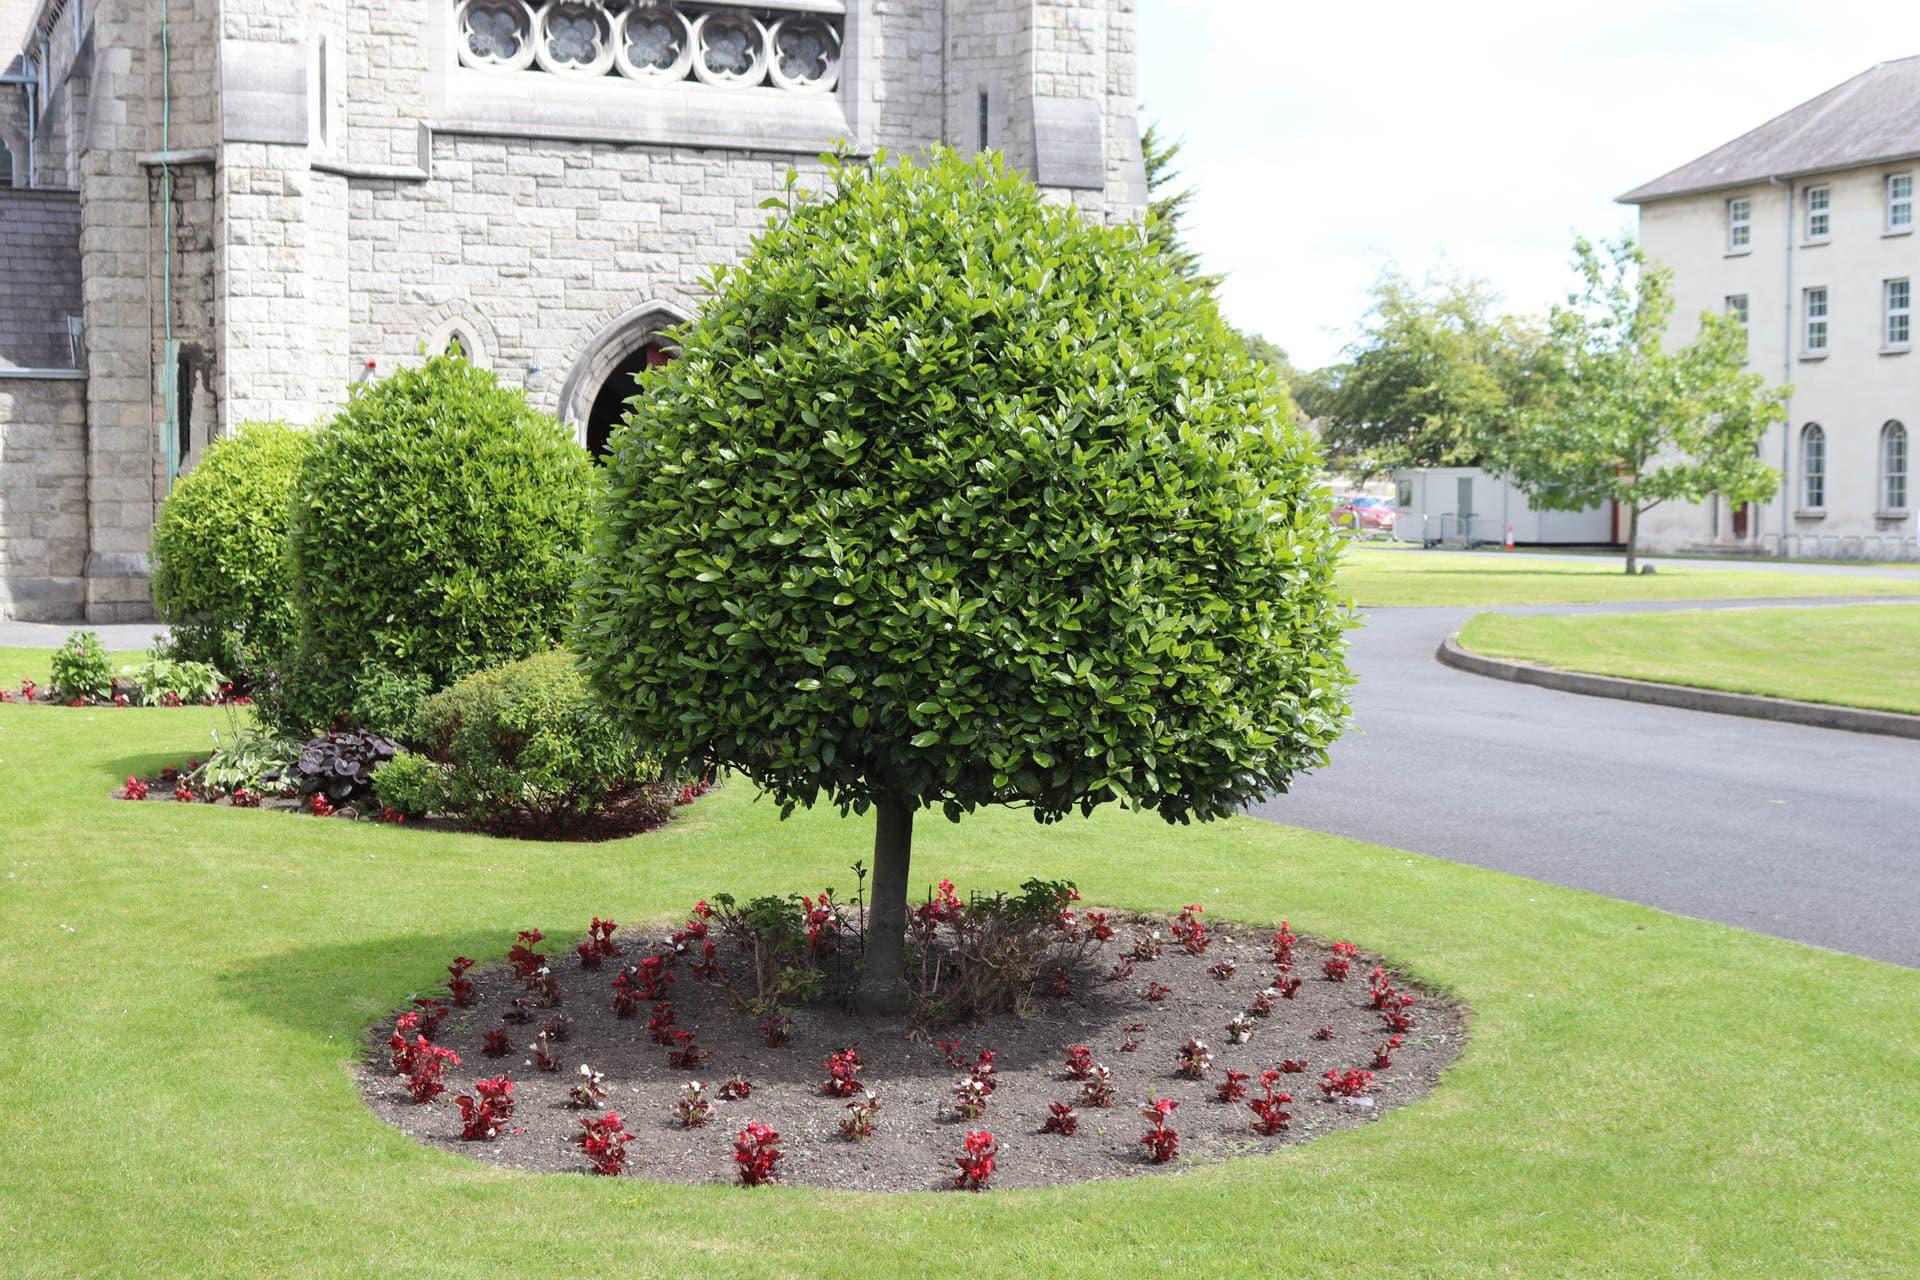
{"points": [[1509, 537]]}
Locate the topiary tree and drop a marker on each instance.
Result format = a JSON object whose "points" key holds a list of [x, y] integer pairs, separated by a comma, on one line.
{"points": [[955, 499], [219, 550], [436, 531]]}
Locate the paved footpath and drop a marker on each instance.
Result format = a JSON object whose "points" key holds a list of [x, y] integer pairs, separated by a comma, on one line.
{"points": [[1809, 834]]}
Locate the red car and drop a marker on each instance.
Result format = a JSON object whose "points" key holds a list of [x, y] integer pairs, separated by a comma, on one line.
{"points": [[1361, 512]]}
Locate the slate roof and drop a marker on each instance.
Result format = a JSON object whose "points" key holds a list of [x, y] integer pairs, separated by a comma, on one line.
{"points": [[1873, 117], [39, 277]]}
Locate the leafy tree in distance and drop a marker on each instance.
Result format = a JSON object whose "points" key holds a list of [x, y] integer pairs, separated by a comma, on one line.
{"points": [[955, 499], [1167, 207], [1436, 378], [1628, 419]]}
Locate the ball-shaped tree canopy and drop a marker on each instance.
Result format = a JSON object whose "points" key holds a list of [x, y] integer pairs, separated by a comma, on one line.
{"points": [[219, 550], [954, 498], [437, 530]]}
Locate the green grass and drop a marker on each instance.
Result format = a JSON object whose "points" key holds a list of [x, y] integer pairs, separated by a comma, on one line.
{"points": [[1378, 576], [1856, 656], [1643, 1095], [37, 664]]}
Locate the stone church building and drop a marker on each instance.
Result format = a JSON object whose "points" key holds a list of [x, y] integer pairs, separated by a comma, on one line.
{"points": [[213, 211]]}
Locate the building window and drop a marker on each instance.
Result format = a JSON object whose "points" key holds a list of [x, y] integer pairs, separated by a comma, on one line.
{"points": [[1819, 212], [1814, 306], [1737, 308], [1739, 223], [793, 45], [1899, 202], [1899, 307], [1893, 467], [6, 164], [1813, 467]]}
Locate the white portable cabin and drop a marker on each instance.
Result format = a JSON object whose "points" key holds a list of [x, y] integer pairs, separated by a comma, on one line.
{"points": [[1466, 504]]}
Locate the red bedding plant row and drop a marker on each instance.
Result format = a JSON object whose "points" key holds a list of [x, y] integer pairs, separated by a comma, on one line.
{"points": [[684, 1003]]}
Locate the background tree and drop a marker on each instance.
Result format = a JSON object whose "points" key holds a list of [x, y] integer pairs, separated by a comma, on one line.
{"points": [[1167, 207], [1626, 419], [955, 499], [1437, 376]]}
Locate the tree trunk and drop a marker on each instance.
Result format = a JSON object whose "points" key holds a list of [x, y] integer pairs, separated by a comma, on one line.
{"points": [[882, 990], [1633, 539]]}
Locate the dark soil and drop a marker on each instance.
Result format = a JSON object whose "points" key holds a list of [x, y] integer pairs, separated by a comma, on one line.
{"points": [[917, 1135]]}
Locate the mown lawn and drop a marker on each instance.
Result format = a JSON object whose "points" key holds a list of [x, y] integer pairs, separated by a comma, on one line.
{"points": [[1644, 1095], [37, 664], [1388, 576], [1859, 655]]}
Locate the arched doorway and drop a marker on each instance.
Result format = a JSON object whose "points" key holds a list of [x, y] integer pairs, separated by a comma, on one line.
{"points": [[610, 406], [593, 398]]}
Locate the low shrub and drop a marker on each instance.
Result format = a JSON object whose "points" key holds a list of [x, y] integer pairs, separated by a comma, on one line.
{"points": [[81, 671], [437, 527], [411, 785], [219, 551], [1269, 1109], [693, 1108], [969, 960], [528, 748], [162, 681]]}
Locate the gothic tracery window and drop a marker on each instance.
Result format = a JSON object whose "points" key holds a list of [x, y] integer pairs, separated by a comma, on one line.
{"points": [[788, 45]]}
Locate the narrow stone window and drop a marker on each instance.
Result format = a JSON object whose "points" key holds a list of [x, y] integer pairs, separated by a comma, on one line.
{"points": [[6, 164], [1813, 467], [984, 142], [1893, 467]]}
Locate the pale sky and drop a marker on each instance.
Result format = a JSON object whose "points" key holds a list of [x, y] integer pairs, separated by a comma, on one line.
{"points": [[1329, 139]]}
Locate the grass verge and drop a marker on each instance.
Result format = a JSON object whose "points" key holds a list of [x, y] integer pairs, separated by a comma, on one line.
{"points": [[1644, 1094], [1853, 656], [1378, 577]]}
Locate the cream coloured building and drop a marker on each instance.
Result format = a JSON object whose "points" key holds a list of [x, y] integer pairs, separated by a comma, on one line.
{"points": [[1806, 228]]}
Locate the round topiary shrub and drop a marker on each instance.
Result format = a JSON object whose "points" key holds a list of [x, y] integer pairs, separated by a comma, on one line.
{"points": [[436, 531], [954, 498], [219, 550], [527, 747]]}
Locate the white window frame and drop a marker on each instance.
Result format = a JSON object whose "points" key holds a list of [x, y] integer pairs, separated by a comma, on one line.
{"points": [[1896, 470], [1896, 305], [1736, 306], [1815, 332], [1813, 467], [1899, 206], [1819, 220], [1739, 224]]}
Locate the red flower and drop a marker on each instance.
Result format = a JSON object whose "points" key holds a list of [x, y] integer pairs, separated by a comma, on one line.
{"points": [[976, 1161], [756, 1151]]}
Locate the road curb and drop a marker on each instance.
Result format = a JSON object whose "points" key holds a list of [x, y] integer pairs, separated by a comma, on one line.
{"points": [[1684, 697]]}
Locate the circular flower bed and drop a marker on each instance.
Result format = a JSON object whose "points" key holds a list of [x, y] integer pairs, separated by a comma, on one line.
{"points": [[1172, 1043]]}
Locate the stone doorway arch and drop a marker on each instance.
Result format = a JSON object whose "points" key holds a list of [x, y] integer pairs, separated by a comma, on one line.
{"points": [[600, 380]]}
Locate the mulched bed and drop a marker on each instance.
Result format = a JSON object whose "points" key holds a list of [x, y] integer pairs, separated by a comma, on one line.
{"points": [[917, 1135], [631, 814]]}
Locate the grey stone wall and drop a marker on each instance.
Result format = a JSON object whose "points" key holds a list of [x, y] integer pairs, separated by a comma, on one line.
{"points": [[43, 500]]}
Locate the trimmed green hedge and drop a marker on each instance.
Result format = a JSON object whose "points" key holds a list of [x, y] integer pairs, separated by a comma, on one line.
{"points": [[528, 746], [219, 550], [436, 532]]}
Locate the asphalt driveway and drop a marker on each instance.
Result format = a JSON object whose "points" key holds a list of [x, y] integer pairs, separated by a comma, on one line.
{"points": [[1809, 834]]}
